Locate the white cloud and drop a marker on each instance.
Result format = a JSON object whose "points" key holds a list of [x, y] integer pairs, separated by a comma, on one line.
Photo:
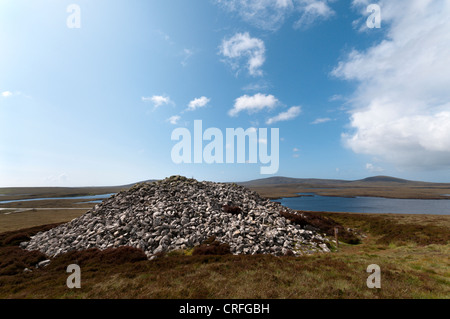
{"points": [[186, 53], [7, 94], [321, 120], [165, 36], [263, 14], [360, 23], [296, 150], [158, 100], [197, 103], [254, 123], [253, 104], [290, 114], [174, 119], [262, 141], [373, 169], [271, 14], [242, 46], [401, 107], [336, 97], [311, 11], [263, 85]]}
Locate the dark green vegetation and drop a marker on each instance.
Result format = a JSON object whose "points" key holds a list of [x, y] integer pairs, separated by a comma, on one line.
{"points": [[412, 250]]}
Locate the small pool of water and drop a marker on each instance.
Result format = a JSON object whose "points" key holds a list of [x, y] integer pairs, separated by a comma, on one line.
{"points": [[94, 197]]}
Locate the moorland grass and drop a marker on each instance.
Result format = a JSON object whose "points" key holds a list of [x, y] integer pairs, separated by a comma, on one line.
{"points": [[413, 265]]}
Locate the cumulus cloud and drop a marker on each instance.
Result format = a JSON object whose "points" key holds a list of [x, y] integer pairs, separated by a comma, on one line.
{"points": [[174, 119], [311, 11], [290, 114], [241, 47], [263, 14], [321, 120], [401, 107], [253, 104], [360, 24], [373, 169], [7, 94], [198, 103], [271, 14], [158, 100]]}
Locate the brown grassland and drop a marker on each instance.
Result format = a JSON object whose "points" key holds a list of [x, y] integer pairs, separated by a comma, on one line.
{"points": [[412, 250], [391, 190]]}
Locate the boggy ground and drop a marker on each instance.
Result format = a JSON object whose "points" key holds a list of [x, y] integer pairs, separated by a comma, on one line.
{"points": [[412, 251]]}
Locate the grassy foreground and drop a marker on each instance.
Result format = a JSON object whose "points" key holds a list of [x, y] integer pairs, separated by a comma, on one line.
{"points": [[36, 217], [413, 253]]}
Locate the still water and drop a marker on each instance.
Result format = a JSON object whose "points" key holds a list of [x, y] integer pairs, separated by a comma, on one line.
{"points": [[313, 202], [93, 197]]}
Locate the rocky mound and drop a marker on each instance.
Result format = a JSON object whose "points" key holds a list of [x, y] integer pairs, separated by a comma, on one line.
{"points": [[180, 213]]}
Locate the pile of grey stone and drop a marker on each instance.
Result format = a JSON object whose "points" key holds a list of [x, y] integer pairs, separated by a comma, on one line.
{"points": [[178, 213]]}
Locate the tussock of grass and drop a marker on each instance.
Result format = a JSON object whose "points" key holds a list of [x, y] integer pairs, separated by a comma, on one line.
{"points": [[212, 247], [14, 238], [323, 224], [96, 257], [13, 260]]}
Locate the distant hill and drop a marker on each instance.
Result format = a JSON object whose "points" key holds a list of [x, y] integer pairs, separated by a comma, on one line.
{"points": [[280, 180], [385, 179]]}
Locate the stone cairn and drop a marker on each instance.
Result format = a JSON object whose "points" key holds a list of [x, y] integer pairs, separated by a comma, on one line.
{"points": [[178, 213]]}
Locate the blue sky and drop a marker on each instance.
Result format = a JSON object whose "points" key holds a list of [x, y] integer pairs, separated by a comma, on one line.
{"points": [[96, 105]]}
